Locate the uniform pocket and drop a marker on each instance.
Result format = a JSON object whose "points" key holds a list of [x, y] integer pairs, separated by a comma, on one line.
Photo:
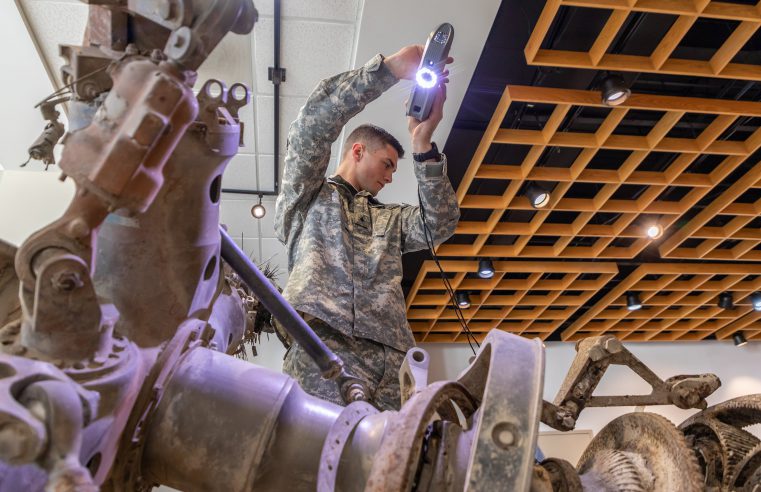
{"points": [[380, 222]]}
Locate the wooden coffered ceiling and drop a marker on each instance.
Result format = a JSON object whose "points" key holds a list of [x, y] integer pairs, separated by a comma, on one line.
{"points": [[742, 20], [688, 164]]}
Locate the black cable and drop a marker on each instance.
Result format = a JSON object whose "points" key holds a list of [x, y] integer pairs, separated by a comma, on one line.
{"points": [[458, 312]]}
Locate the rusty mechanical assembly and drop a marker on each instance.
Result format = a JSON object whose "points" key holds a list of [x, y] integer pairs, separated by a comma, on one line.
{"points": [[118, 321], [593, 357], [729, 455], [42, 148]]}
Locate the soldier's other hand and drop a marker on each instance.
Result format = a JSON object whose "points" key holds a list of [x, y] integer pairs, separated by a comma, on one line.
{"points": [[405, 62], [422, 131]]}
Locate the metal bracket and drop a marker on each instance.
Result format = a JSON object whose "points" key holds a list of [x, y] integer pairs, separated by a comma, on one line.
{"points": [[276, 75], [413, 375]]}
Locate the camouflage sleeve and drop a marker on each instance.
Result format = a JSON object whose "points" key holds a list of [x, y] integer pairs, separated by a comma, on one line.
{"points": [[333, 102], [440, 205]]}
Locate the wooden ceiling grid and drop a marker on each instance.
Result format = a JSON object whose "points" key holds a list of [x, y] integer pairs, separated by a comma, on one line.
{"points": [[578, 290], [633, 215], [685, 14], [679, 303], [528, 298]]}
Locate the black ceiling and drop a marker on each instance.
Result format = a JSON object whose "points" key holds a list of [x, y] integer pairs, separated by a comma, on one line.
{"points": [[503, 63]]}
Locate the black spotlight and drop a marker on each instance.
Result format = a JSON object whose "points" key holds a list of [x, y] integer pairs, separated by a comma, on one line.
{"points": [[485, 268], [755, 300], [614, 90], [726, 301], [538, 196], [632, 301], [462, 298], [739, 339]]}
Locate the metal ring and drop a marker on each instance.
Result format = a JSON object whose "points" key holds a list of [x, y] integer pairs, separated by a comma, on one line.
{"points": [[335, 441], [395, 462]]}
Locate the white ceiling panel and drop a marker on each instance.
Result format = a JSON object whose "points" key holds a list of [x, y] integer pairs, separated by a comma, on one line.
{"points": [[338, 10], [231, 62], [310, 51], [241, 173], [265, 135], [54, 23]]}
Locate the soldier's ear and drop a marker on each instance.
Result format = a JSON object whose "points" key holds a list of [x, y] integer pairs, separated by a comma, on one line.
{"points": [[357, 149]]}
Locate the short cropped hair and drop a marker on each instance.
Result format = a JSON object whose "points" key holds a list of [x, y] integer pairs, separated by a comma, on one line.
{"points": [[374, 137]]}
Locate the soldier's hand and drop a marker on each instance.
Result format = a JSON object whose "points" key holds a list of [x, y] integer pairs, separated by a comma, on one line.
{"points": [[405, 62], [422, 131]]}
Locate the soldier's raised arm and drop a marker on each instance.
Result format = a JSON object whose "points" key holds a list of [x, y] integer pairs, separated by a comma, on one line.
{"points": [[334, 102]]}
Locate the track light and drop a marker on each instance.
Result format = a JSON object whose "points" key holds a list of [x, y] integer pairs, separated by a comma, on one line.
{"points": [[462, 298], [632, 301], [739, 339], [726, 301], [538, 196], [654, 231], [755, 300], [614, 90], [258, 210], [485, 268]]}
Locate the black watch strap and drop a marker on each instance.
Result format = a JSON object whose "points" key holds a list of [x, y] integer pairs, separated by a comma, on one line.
{"points": [[431, 154]]}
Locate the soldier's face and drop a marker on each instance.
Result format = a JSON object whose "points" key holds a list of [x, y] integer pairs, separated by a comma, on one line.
{"points": [[376, 168]]}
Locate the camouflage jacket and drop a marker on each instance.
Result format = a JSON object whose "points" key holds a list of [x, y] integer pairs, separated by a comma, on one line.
{"points": [[345, 248]]}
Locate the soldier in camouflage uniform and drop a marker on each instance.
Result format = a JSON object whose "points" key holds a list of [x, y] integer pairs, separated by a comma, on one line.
{"points": [[344, 246]]}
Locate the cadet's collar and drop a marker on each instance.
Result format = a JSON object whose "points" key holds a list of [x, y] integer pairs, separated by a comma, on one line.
{"points": [[339, 180]]}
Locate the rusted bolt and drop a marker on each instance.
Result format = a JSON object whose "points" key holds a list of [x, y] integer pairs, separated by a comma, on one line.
{"points": [[569, 422], [66, 281], [613, 345], [504, 435], [78, 228], [356, 393], [597, 353]]}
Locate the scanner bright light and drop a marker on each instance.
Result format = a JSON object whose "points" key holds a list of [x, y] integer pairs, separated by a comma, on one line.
{"points": [[426, 78]]}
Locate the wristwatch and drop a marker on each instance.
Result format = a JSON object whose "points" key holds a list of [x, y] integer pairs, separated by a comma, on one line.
{"points": [[432, 154]]}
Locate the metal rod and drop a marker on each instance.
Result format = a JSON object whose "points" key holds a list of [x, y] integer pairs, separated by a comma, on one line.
{"points": [[250, 192], [277, 81], [329, 363]]}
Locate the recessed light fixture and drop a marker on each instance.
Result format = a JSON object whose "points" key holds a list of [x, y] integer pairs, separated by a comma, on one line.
{"points": [[614, 90], [538, 196], [739, 339], [755, 300], [462, 298], [654, 231], [726, 301], [632, 301], [485, 268]]}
